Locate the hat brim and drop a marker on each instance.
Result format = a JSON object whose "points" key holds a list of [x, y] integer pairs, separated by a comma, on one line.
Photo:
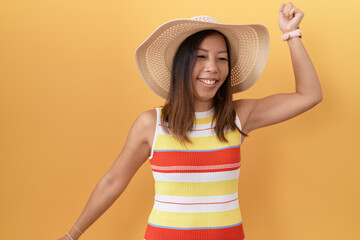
{"points": [[249, 44]]}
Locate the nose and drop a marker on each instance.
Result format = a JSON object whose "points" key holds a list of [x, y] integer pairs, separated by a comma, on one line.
{"points": [[211, 66]]}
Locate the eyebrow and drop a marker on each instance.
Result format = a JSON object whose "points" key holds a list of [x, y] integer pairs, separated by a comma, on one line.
{"points": [[208, 51]]}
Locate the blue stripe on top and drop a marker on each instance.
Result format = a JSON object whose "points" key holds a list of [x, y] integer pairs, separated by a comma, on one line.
{"points": [[234, 225]]}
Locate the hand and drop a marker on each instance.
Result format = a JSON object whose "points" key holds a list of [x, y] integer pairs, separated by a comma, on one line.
{"points": [[289, 17]]}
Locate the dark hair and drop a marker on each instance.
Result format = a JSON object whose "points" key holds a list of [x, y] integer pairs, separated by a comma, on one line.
{"points": [[178, 111]]}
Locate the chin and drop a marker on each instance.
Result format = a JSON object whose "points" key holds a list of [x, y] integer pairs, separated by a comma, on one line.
{"points": [[205, 98]]}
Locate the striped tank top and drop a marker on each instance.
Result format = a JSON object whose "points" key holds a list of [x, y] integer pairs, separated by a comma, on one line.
{"points": [[196, 185]]}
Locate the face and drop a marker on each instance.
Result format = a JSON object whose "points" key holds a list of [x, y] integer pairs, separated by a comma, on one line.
{"points": [[210, 70]]}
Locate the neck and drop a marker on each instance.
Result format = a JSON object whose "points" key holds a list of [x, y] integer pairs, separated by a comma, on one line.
{"points": [[202, 106]]}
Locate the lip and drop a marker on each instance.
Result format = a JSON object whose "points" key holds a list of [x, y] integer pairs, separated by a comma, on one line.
{"points": [[208, 85]]}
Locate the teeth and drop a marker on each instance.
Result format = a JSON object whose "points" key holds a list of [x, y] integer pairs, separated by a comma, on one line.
{"points": [[210, 82]]}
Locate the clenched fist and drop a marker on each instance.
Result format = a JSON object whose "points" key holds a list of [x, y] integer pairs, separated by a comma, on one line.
{"points": [[289, 17]]}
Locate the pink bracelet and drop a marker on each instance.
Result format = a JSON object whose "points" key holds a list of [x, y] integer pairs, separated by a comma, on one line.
{"points": [[288, 35]]}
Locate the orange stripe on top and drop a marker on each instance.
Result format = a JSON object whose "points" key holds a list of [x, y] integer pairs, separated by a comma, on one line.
{"points": [[172, 158]]}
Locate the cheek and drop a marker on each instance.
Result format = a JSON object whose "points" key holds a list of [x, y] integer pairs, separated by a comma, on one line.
{"points": [[196, 69], [225, 71]]}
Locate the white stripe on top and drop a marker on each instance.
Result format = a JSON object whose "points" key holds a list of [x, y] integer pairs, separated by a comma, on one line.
{"points": [[196, 177], [218, 207], [200, 130], [195, 168], [196, 199]]}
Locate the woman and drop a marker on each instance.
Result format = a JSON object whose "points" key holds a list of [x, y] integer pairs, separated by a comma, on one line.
{"points": [[194, 140]]}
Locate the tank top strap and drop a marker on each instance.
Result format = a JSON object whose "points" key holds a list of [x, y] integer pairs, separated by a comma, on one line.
{"points": [[158, 122], [237, 122]]}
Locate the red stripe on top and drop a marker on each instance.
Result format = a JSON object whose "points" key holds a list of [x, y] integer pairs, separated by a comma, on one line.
{"points": [[231, 233], [196, 171], [174, 158], [161, 125], [204, 129]]}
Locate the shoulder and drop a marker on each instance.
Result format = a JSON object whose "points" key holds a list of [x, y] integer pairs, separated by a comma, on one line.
{"points": [[144, 126], [146, 120], [147, 117]]}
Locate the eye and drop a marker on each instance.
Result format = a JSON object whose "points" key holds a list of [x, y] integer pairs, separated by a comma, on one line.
{"points": [[200, 56], [223, 59]]}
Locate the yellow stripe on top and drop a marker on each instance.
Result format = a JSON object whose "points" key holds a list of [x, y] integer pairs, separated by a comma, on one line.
{"points": [[195, 220], [167, 142], [189, 189], [205, 120]]}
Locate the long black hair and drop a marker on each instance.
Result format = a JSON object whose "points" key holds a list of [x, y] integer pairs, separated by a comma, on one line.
{"points": [[178, 111]]}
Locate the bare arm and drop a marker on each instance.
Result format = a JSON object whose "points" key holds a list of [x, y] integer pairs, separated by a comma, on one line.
{"points": [[257, 113], [134, 153]]}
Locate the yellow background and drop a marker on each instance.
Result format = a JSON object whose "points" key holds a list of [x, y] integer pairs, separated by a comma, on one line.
{"points": [[70, 90]]}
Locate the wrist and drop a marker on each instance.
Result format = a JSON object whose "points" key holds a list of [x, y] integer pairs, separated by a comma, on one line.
{"points": [[74, 234], [286, 30]]}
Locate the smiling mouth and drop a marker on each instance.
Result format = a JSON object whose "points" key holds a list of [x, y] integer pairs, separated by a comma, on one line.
{"points": [[209, 82]]}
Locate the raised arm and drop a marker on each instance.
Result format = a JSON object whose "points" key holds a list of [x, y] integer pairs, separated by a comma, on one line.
{"points": [[257, 113], [134, 153]]}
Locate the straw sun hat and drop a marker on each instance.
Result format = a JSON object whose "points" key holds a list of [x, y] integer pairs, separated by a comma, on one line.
{"points": [[249, 46]]}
